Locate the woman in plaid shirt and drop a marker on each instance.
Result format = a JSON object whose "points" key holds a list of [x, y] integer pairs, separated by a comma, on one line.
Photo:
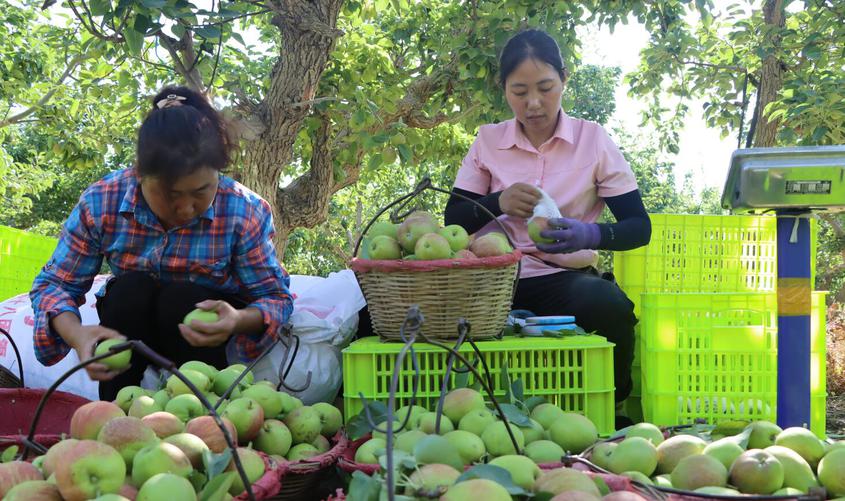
{"points": [[177, 235]]}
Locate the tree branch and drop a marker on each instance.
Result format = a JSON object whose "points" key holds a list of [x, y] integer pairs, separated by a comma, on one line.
{"points": [[91, 28], [46, 97], [191, 75]]}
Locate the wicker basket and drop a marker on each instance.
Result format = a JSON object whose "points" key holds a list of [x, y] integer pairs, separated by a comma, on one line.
{"points": [[477, 289], [7, 378], [300, 478]]}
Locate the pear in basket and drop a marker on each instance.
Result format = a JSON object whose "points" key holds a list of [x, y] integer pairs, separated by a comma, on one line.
{"points": [[491, 244], [417, 225]]}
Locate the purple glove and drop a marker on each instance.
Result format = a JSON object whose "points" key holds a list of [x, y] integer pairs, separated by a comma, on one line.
{"points": [[571, 235]]}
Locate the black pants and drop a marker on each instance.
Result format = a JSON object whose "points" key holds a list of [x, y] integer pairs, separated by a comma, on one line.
{"points": [[140, 308], [597, 304]]}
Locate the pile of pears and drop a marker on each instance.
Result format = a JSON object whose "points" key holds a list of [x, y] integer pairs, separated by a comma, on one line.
{"points": [[733, 459], [420, 237], [163, 444], [471, 433]]}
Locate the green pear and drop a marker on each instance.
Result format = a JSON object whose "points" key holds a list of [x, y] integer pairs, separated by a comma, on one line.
{"points": [[470, 447], [726, 450], [832, 472], [756, 472], [804, 442], [436, 449], [546, 414], [544, 451], [638, 477], [788, 491], [573, 432], [647, 431], [796, 472], [763, 434], [267, 397], [197, 365], [478, 488], [533, 432], [413, 421], [429, 420], [633, 454], [406, 440], [565, 479], [367, 452], [699, 470], [664, 480], [457, 403], [498, 442], [303, 451], [431, 479], [717, 491], [476, 421], [673, 449], [600, 455], [524, 472], [176, 386]]}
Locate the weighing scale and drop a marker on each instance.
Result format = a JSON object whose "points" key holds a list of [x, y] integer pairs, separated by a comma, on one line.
{"points": [[793, 183]]}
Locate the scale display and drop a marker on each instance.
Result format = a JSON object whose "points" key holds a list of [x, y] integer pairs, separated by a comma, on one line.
{"points": [[803, 179]]}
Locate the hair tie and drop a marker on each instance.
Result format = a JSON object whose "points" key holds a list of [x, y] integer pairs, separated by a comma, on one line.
{"points": [[170, 101]]}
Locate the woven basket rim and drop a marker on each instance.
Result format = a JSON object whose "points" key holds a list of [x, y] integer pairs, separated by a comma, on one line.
{"points": [[318, 462], [361, 265]]}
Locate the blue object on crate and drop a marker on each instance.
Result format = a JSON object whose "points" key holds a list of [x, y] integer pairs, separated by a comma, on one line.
{"points": [[537, 330], [550, 320]]}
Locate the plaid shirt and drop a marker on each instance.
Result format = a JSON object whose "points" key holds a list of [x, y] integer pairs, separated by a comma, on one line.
{"points": [[228, 248]]}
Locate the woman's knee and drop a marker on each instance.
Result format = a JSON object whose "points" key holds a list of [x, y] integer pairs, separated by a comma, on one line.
{"points": [[610, 307], [176, 300], [128, 299]]}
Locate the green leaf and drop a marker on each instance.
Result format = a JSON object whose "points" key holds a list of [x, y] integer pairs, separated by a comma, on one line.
{"points": [[533, 402], [405, 153], [604, 490], [461, 380], [217, 488], [238, 38], [505, 380], [517, 390], [9, 454], [358, 426], [99, 7], [209, 32], [364, 487], [134, 41], [375, 161], [514, 415], [495, 473], [153, 4]]}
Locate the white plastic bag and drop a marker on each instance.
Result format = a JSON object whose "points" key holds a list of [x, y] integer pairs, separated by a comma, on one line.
{"points": [[16, 318], [325, 317], [546, 207]]}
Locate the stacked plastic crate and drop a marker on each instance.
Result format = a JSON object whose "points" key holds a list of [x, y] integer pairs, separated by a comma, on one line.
{"points": [[22, 255], [705, 293]]}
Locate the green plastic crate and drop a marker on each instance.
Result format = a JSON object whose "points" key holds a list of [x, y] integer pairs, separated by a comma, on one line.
{"points": [[701, 253], [574, 373], [22, 255], [704, 253], [714, 356]]}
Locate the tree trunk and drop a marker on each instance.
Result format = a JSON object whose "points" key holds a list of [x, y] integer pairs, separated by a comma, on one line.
{"points": [[771, 74], [308, 32]]}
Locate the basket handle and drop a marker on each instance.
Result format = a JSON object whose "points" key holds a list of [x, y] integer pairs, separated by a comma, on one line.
{"points": [[17, 354], [423, 185]]}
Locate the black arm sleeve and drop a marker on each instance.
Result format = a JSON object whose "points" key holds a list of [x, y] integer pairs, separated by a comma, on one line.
{"points": [[469, 215], [632, 228]]}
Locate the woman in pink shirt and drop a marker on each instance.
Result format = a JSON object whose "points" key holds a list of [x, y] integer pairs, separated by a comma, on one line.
{"points": [[580, 167]]}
